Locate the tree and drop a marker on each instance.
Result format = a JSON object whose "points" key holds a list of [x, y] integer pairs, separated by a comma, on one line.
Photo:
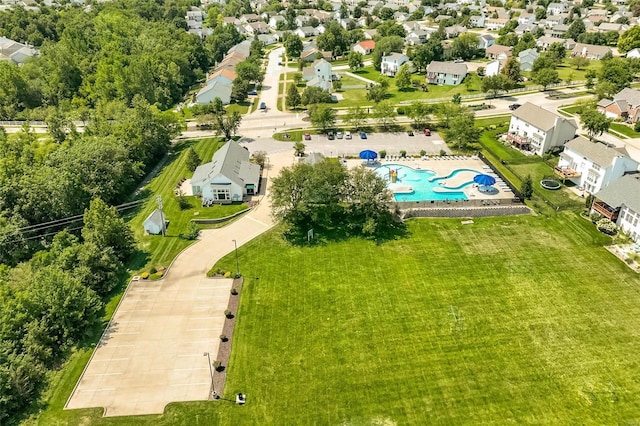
{"points": [[580, 62], [457, 98], [249, 71], [616, 71], [419, 114], [293, 46], [427, 52], [462, 133], [293, 97], [239, 90], [495, 84], [356, 117], [543, 62], [595, 122], [192, 159], [299, 148], [104, 228], [355, 61], [589, 76], [385, 112], [403, 77], [368, 199], [227, 124], [546, 77], [526, 188], [315, 95], [297, 78], [465, 46], [322, 116], [260, 158], [377, 92], [576, 28], [630, 39], [557, 52], [605, 89], [512, 71]]}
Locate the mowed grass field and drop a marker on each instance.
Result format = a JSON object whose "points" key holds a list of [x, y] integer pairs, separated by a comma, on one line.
{"points": [[357, 333]]}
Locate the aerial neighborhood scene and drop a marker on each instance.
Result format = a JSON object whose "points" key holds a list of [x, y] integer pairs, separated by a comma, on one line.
{"points": [[294, 212]]}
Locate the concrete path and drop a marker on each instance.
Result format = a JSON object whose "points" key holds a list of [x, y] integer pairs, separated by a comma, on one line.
{"points": [[152, 352], [361, 78]]}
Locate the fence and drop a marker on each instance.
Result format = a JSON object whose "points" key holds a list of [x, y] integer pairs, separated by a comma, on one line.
{"points": [[457, 204], [467, 211]]}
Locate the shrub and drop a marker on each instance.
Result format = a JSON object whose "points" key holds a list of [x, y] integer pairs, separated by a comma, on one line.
{"points": [[636, 126], [223, 338], [153, 270], [191, 233], [423, 153], [217, 365], [234, 291], [443, 153], [595, 217], [227, 274], [400, 110], [606, 226], [144, 275], [228, 314], [155, 276], [383, 153], [183, 202], [403, 153]]}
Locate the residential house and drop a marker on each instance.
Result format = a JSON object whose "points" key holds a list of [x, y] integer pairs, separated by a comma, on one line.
{"points": [[274, 20], [417, 37], [365, 47], [526, 28], [544, 42], [497, 51], [392, 62], [633, 53], [255, 28], [225, 75], [156, 223], [230, 176], [527, 58], [304, 32], [535, 129], [556, 8], [446, 73], [194, 18], [620, 202], [611, 26], [625, 105], [493, 68], [348, 23], [216, 89], [553, 21], [15, 52], [590, 51], [249, 17], [267, 39], [455, 30], [486, 40], [526, 18], [593, 165], [477, 21], [230, 61], [495, 24], [243, 49], [318, 74], [369, 33], [559, 30]]}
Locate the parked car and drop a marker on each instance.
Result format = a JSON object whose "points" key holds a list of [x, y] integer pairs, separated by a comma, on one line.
{"points": [[427, 132], [307, 136], [347, 135], [339, 135], [252, 93], [263, 106], [514, 107], [459, 61], [363, 135], [331, 136], [410, 133]]}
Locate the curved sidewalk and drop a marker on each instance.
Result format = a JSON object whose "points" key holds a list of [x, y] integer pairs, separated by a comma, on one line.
{"points": [[153, 351]]}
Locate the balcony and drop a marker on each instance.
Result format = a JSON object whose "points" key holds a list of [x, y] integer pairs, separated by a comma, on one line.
{"points": [[522, 142], [606, 210], [566, 172]]}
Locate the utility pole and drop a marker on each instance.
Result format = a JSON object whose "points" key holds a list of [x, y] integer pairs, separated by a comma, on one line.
{"points": [[164, 226]]}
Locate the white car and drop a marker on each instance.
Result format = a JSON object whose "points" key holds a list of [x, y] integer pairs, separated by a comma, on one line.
{"points": [[339, 135], [347, 135]]}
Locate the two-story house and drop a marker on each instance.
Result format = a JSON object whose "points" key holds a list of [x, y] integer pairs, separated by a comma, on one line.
{"points": [[593, 165], [620, 202], [392, 62], [625, 105], [590, 51], [535, 129], [446, 73], [318, 74]]}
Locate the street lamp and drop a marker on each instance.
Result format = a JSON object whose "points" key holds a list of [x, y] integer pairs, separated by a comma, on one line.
{"points": [[237, 265], [213, 389]]}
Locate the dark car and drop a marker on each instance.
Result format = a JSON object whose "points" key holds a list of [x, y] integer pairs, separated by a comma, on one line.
{"points": [[513, 107], [252, 93], [363, 135], [331, 136], [307, 136], [410, 133], [263, 106]]}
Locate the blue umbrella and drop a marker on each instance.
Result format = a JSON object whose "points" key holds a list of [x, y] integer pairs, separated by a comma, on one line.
{"points": [[485, 180], [367, 154]]}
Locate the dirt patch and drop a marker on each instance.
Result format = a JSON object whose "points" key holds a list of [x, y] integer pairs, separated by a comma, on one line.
{"points": [[224, 350]]}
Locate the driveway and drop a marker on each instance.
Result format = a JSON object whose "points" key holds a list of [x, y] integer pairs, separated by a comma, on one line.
{"points": [[152, 351]]}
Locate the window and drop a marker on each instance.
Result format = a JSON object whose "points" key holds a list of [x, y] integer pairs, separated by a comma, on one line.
{"points": [[221, 194], [596, 167]]}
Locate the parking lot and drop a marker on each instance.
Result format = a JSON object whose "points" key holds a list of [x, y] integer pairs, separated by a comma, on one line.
{"points": [[392, 143]]}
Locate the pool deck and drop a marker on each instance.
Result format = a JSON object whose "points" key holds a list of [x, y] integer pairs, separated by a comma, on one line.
{"points": [[443, 167]]}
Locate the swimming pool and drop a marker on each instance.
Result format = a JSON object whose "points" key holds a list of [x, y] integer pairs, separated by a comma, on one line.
{"points": [[424, 184]]}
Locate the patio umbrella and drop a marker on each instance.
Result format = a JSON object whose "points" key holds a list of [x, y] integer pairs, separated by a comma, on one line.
{"points": [[368, 155], [485, 180]]}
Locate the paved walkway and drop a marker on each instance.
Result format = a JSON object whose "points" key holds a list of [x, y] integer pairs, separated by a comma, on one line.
{"points": [[152, 351], [359, 77]]}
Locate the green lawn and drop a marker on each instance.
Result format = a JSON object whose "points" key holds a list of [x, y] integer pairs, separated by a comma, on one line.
{"points": [[545, 331], [625, 130]]}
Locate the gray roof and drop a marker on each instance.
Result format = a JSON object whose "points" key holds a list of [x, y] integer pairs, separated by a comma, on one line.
{"points": [[539, 117], [630, 96], [597, 152], [625, 190], [313, 158], [155, 217], [229, 161], [447, 68]]}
